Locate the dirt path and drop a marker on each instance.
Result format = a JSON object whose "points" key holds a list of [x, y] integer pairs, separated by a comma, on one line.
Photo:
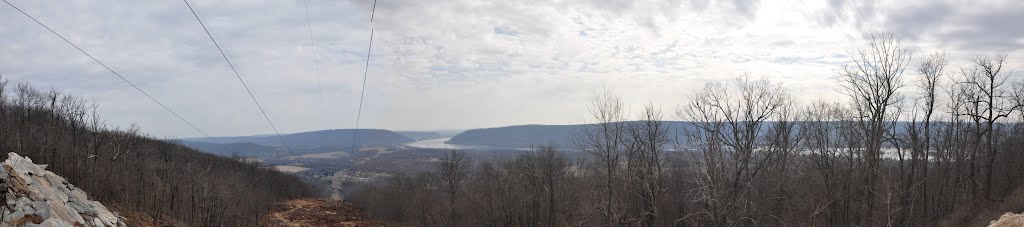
{"points": [[317, 212], [282, 216]]}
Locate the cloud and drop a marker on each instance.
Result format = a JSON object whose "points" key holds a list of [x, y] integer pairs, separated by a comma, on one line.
{"points": [[456, 63], [986, 30], [967, 25]]}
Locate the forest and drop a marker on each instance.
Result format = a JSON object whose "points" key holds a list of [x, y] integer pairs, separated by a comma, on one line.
{"points": [[917, 140], [141, 177]]}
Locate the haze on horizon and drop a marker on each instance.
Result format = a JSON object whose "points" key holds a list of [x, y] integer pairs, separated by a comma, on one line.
{"points": [[461, 63]]}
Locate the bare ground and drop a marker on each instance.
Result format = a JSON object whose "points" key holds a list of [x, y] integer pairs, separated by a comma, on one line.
{"points": [[318, 212]]}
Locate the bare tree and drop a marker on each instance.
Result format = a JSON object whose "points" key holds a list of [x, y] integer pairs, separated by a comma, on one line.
{"points": [[452, 171], [645, 145], [1018, 95], [781, 148], [3, 85], [824, 132], [873, 82], [603, 140], [995, 98], [540, 172], [552, 166], [932, 68], [729, 129]]}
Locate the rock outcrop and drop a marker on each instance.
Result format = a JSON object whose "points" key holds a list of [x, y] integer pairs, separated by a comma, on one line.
{"points": [[1008, 220], [37, 197]]}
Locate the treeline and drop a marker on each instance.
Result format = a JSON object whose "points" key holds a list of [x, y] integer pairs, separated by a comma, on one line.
{"points": [[917, 142], [134, 173]]}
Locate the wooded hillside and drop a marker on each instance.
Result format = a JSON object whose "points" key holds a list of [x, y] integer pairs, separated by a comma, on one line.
{"points": [[133, 173]]}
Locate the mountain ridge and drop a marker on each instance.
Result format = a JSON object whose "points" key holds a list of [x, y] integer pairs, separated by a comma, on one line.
{"points": [[331, 138]]}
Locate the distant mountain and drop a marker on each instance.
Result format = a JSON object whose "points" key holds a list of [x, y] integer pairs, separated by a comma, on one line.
{"points": [[523, 136], [343, 137], [231, 149], [324, 138], [520, 136]]}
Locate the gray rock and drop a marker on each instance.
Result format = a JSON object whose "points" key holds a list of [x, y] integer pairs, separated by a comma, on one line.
{"points": [[34, 194]]}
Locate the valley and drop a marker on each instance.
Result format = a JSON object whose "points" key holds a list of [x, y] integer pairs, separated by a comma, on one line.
{"points": [[333, 165]]}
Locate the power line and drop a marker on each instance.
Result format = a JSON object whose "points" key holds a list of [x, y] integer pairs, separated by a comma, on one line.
{"points": [[112, 71], [316, 67], [366, 69], [239, 76]]}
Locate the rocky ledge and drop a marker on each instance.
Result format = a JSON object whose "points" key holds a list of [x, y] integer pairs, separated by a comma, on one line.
{"points": [[1008, 220], [37, 197]]}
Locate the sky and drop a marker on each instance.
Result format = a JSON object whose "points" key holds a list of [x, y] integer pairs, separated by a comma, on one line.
{"points": [[458, 64]]}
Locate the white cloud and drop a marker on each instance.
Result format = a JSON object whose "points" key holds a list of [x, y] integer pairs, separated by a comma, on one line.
{"points": [[452, 63]]}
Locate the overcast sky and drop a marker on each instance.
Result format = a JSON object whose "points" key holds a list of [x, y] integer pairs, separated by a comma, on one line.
{"points": [[452, 64]]}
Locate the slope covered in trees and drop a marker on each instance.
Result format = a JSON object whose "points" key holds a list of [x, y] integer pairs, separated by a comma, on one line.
{"points": [[915, 143], [133, 173], [518, 136]]}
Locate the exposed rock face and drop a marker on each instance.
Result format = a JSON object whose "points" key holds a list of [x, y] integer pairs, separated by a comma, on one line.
{"points": [[1008, 220], [36, 197]]}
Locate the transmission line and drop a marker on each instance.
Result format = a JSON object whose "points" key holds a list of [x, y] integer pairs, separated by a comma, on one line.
{"points": [[316, 67], [112, 71], [239, 76], [362, 92]]}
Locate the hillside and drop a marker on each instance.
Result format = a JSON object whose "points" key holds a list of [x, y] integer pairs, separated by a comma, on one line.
{"points": [[134, 174], [519, 136]]}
